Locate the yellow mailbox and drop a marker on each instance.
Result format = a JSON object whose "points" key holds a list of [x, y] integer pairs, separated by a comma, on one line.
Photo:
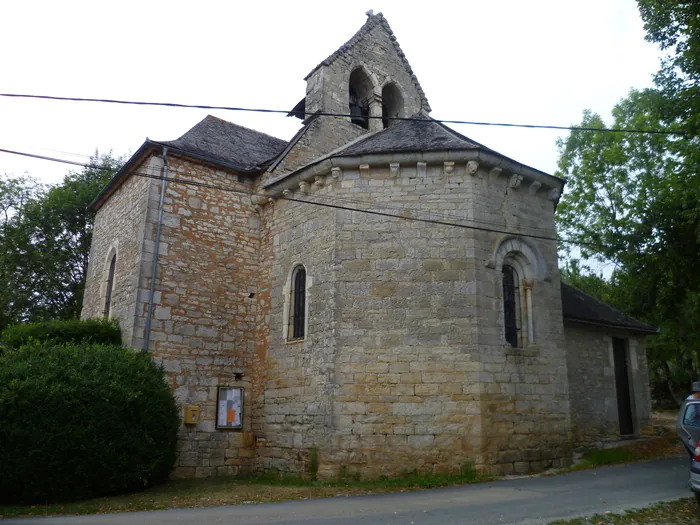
{"points": [[191, 415]]}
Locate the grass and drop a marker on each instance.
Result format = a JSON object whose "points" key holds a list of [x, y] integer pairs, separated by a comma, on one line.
{"points": [[680, 512], [655, 448], [192, 493], [265, 489]]}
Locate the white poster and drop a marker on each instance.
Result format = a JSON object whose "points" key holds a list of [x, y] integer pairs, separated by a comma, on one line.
{"points": [[230, 407]]}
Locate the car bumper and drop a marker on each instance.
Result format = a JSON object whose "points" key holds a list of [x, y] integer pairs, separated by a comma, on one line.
{"points": [[695, 476]]}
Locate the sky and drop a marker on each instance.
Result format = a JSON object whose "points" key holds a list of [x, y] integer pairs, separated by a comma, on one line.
{"points": [[536, 62]]}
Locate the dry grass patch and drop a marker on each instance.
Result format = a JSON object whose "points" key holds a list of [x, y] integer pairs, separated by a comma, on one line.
{"points": [[681, 512], [235, 491]]}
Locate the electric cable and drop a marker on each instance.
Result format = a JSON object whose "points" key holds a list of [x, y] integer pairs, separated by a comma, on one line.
{"points": [[328, 114], [387, 205], [322, 204]]}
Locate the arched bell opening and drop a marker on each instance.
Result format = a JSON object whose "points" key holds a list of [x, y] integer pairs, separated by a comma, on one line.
{"points": [[392, 105], [360, 91]]}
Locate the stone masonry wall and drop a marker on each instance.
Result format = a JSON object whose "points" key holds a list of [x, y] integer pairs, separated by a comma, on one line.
{"points": [[407, 392], [423, 377], [525, 400], [594, 413], [203, 328], [294, 408], [118, 228]]}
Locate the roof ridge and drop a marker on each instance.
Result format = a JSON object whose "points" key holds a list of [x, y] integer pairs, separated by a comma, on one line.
{"points": [[373, 21], [458, 135], [214, 117]]}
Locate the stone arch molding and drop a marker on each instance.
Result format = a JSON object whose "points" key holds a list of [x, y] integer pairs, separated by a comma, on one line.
{"points": [[112, 251], [286, 292], [376, 87], [524, 253]]}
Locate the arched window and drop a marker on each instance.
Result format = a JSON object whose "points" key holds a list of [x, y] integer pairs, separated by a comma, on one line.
{"points": [[360, 91], [110, 285], [297, 304], [392, 104], [511, 305]]}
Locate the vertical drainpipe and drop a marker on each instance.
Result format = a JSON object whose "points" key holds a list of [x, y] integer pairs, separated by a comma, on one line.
{"points": [[156, 249]]}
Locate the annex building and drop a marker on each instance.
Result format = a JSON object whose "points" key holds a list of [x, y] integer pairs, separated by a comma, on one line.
{"points": [[374, 296]]}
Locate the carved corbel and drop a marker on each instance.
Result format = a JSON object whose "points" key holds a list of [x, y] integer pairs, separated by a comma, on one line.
{"points": [[395, 169], [449, 167], [336, 173], [364, 169], [472, 167], [259, 200], [515, 181], [495, 173], [421, 168], [553, 194], [304, 186], [536, 185], [319, 181]]}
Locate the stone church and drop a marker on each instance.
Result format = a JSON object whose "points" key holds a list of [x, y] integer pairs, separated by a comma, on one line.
{"points": [[379, 294]]}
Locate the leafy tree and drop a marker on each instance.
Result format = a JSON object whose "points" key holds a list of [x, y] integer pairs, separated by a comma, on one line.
{"points": [[15, 194], [675, 26], [583, 277], [634, 199], [46, 243]]}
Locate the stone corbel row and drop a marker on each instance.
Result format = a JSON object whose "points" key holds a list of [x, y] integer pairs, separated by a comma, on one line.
{"points": [[481, 164], [514, 181], [261, 199]]}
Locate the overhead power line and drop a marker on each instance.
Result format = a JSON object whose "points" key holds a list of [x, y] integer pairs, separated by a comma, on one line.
{"points": [[314, 203], [390, 205], [326, 114]]}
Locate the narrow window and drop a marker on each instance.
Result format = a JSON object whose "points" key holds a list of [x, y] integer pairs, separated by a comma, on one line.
{"points": [[110, 285], [511, 305], [297, 304]]}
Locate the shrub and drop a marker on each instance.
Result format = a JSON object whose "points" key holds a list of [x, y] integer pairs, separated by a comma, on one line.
{"points": [[80, 421], [62, 331]]}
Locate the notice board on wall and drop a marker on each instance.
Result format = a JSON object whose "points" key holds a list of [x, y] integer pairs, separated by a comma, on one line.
{"points": [[229, 408]]}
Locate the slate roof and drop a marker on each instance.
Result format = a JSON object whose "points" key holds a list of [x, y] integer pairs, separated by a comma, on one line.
{"points": [[581, 307], [228, 144], [411, 135], [373, 21], [211, 140]]}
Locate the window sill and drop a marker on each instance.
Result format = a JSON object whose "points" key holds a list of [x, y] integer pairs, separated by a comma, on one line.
{"points": [[526, 351], [294, 341]]}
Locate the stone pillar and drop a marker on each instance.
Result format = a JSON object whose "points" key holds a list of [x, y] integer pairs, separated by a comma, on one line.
{"points": [[375, 110]]}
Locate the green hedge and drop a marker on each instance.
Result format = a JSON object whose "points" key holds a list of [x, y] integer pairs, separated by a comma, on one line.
{"points": [[82, 421], [72, 331]]}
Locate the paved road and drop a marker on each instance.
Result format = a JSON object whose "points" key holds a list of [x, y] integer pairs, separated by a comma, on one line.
{"points": [[527, 501]]}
